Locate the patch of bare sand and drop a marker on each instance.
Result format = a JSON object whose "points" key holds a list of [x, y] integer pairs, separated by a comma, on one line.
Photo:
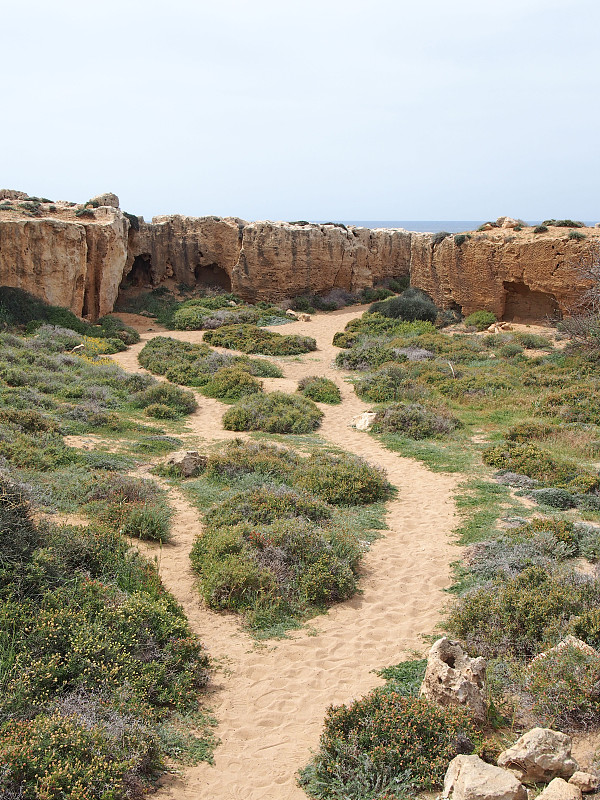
{"points": [[271, 700]]}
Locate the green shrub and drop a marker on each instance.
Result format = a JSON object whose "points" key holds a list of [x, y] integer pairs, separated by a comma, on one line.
{"points": [[161, 411], [528, 459], [266, 505], [386, 746], [321, 390], [564, 223], [510, 350], [577, 235], [374, 294], [480, 320], [149, 522], [414, 420], [555, 498], [181, 401], [461, 238], [250, 339], [439, 237], [275, 412], [574, 404], [230, 384], [561, 688], [375, 324], [522, 615], [540, 229], [533, 341], [70, 757], [238, 457], [342, 479], [526, 431], [387, 383], [411, 305]]}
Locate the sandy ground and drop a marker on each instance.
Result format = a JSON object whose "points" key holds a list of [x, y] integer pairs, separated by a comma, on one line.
{"points": [[270, 699]]}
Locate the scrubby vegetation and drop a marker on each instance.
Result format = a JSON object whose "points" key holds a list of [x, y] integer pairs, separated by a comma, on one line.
{"points": [[480, 320], [249, 339], [279, 551], [275, 412], [411, 305], [196, 364], [19, 309], [389, 744], [321, 390], [98, 665]]}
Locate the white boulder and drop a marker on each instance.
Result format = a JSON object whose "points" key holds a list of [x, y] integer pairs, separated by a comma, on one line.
{"points": [[559, 789], [470, 778], [452, 678], [539, 756]]}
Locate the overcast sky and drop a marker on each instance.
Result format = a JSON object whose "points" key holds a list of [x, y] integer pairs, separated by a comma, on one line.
{"points": [[320, 109]]}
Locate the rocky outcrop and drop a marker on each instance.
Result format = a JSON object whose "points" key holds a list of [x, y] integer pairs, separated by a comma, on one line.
{"points": [[452, 678], [539, 756], [470, 778], [47, 257], [521, 277], [559, 789], [585, 781], [77, 257], [186, 463]]}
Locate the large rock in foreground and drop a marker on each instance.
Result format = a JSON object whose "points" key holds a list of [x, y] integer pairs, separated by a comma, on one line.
{"points": [[470, 778], [539, 756], [452, 678]]}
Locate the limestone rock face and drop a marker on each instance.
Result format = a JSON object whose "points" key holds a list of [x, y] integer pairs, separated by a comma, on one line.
{"points": [[106, 199], [517, 277], [559, 789], [470, 778], [539, 756], [46, 257], [452, 678], [106, 258]]}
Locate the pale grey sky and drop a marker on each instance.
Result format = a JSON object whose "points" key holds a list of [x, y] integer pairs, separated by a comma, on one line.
{"points": [[330, 109]]}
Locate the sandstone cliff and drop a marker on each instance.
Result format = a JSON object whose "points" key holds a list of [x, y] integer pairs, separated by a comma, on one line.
{"points": [[78, 256]]}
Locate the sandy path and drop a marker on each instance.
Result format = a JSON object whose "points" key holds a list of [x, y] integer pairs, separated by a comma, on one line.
{"points": [[271, 700]]}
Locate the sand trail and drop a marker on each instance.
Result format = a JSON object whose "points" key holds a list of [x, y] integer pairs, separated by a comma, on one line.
{"points": [[270, 699]]}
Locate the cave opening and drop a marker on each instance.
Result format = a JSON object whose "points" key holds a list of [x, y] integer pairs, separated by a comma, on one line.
{"points": [[212, 276], [141, 271], [522, 304]]}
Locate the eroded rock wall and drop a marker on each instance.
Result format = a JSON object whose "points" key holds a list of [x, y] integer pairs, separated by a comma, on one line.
{"points": [[80, 260], [523, 277]]}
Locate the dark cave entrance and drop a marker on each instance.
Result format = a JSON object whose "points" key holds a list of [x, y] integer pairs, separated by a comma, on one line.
{"points": [[141, 271], [522, 304], [212, 276]]}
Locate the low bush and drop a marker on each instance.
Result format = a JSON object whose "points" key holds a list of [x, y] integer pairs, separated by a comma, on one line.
{"points": [[414, 420], [523, 615], [275, 412], [375, 324], [480, 320], [574, 404], [386, 746], [461, 238], [194, 364], [532, 341], [342, 479], [555, 498], [238, 457], [230, 384], [412, 304], [388, 383], [510, 350], [274, 554], [526, 431], [181, 401], [540, 229], [321, 390], [561, 688], [249, 339], [95, 656], [366, 354], [564, 223], [528, 459], [577, 235]]}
